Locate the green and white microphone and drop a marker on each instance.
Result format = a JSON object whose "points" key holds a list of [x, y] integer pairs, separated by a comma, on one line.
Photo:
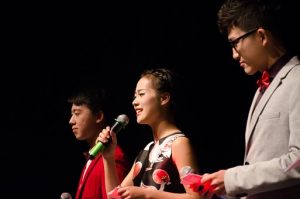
{"points": [[121, 121]]}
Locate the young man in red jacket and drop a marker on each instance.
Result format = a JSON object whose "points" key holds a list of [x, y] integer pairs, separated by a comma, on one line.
{"points": [[89, 115]]}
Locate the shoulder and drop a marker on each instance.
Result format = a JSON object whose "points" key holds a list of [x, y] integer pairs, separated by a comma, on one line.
{"points": [[294, 63], [181, 143], [296, 72], [293, 75]]}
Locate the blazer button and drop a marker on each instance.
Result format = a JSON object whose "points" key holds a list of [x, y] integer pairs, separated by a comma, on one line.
{"points": [[247, 163]]}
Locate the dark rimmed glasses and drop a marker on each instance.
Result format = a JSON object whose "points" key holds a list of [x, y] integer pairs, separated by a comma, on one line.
{"points": [[235, 42]]}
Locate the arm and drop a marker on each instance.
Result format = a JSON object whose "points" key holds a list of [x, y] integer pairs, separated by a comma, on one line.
{"points": [[114, 161], [183, 155], [276, 146]]}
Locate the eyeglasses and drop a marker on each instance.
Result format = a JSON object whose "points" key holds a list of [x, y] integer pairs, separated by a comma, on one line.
{"points": [[235, 42]]}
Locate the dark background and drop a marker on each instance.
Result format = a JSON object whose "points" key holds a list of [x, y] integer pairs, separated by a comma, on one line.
{"points": [[52, 49]]}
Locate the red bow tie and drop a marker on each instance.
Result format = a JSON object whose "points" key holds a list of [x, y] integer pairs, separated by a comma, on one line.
{"points": [[264, 81]]}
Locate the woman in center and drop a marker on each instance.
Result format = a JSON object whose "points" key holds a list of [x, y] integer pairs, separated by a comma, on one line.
{"points": [[156, 170]]}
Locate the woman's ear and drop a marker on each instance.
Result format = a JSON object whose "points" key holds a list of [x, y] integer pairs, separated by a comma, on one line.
{"points": [[99, 117], [165, 98]]}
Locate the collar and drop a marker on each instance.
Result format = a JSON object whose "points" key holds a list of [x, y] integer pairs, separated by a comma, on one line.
{"points": [[275, 68]]}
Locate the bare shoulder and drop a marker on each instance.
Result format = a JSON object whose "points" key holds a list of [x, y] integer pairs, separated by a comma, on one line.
{"points": [[181, 141], [182, 145]]}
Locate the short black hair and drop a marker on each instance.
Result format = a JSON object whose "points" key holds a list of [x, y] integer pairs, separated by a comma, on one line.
{"points": [[96, 99], [272, 15]]}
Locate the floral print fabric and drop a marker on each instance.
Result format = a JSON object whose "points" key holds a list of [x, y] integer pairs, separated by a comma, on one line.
{"points": [[154, 167]]}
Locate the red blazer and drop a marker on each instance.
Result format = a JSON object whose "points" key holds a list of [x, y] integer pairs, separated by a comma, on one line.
{"points": [[92, 185]]}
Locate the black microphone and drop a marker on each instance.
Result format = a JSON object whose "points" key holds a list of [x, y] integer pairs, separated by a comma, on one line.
{"points": [[121, 121], [65, 195]]}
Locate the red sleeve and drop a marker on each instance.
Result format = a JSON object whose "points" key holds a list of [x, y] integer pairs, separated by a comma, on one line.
{"points": [[122, 163]]}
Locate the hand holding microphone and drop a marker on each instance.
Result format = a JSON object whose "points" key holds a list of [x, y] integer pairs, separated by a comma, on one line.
{"points": [[106, 143], [193, 180], [120, 123]]}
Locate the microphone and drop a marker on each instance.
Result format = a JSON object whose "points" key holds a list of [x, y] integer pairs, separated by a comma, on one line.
{"points": [[65, 195], [121, 121], [185, 171], [193, 180]]}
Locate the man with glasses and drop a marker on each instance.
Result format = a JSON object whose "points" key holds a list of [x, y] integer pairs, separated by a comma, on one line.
{"points": [[256, 30]]}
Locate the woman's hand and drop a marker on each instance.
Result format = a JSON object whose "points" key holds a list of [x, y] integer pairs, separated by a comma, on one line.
{"points": [[131, 192], [109, 139]]}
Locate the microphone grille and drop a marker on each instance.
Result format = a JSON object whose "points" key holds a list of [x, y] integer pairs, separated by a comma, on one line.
{"points": [[123, 119], [185, 170], [65, 195]]}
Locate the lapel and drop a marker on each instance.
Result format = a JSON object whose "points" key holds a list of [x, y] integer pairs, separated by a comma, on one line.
{"points": [[92, 165], [254, 114], [87, 173], [251, 112]]}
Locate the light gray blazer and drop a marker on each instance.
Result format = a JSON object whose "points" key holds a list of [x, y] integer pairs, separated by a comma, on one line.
{"points": [[272, 141]]}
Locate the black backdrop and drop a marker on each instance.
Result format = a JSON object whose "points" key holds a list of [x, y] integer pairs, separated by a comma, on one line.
{"points": [[51, 49]]}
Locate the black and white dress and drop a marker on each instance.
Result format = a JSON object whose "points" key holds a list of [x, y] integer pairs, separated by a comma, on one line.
{"points": [[154, 167]]}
